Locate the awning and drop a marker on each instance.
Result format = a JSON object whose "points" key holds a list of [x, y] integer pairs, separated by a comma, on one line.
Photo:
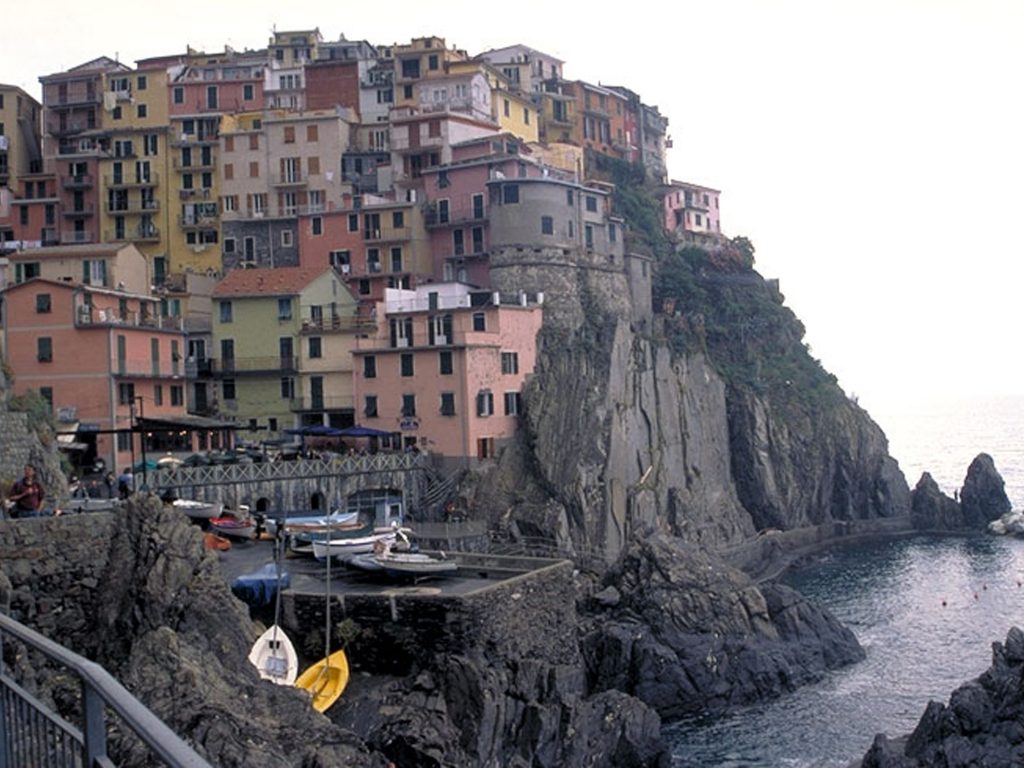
{"points": [[315, 430], [358, 431], [187, 421]]}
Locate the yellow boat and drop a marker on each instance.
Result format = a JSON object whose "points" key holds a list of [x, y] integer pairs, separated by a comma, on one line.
{"points": [[325, 680]]}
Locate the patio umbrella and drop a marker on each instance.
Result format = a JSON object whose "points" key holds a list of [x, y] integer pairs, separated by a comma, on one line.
{"points": [[314, 430], [358, 431]]}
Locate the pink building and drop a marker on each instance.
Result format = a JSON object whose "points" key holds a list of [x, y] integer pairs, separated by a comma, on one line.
{"points": [[691, 208], [103, 358], [457, 208], [446, 368]]}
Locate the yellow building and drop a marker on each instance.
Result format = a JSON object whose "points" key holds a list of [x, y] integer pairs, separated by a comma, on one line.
{"points": [[423, 58], [20, 139], [133, 168]]}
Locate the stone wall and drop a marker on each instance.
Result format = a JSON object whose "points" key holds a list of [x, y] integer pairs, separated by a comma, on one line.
{"points": [[410, 628], [16, 452], [54, 566]]}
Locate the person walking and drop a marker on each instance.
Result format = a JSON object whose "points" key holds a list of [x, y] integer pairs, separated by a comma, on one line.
{"points": [[125, 483], [27, 494]]}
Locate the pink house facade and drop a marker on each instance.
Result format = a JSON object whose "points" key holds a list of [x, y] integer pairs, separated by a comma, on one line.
{"points": [[692, 208], [446, 368]]}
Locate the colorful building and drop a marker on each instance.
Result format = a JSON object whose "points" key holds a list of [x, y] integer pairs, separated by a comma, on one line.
{"points": [[446, 368], [20, 136], [257, 330], [691, 208], [100, 357]]}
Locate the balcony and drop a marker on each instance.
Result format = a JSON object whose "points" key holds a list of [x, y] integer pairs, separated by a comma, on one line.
{"points": [[195, 139], [289, 180], [80, 212], [88, 316], [74, 100], [82, 181], [125, 182], [320, 403], [242, 366], [76, 236], [198, 368], [197, 222], [50, 236], [136, 207], [433, 219], [194, 165], [340, 324], [140, 234]]}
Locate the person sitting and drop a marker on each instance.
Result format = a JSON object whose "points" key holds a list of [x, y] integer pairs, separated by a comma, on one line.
{"points": [[27, 495]]}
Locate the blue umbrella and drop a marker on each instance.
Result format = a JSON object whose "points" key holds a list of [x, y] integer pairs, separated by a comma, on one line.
{"points": [[358, 431]]}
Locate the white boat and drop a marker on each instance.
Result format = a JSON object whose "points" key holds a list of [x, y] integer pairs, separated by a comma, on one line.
{"points": [[309, 522], [357, 541], [274, 657], [199, 510], [416, 564], [244, 528]]}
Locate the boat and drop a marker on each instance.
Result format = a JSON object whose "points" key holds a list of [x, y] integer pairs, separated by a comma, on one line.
{"points": [[275, 659], [199, 510], [297, 524], [355, 541], [239, 528], [215, 543], [416, 565], [325, 680]]}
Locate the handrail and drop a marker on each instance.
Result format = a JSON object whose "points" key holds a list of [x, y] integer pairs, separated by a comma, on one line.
{"points": [[100, 689]]}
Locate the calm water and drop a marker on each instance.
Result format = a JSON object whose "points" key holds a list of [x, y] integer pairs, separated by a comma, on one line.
{"points": [[890, 594]]}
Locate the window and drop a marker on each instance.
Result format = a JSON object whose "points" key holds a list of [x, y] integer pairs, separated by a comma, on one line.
{"points": [[478, 239], [177, 394], [458, 242], [510, 194], [318, 225], [406, 364], [364, 287], [353, 222], [509, 363], [44, 349], [478, 206], [408, 405], [225, 311], [124, 441], [447, 403], [313, 165], [42, 303], [229, 171], [125, 393], [230, 203], [507, 107], [254, 141], [116, 113], [398, 219], [484, 402], [248, 93], [396, 259], [158, 394], [284, 309], [254, 170], [140, 110], [312, 133], [445, 361], [407, 91], [228, 390], [479, 321], [289, 134], [179, 95], [484, 447], [141, 81], [249, 251], [513, 403], [612, 233], [272, 424], [370, 406], [591, 204], [370, 367], [588, 235], [286, 238], [315, 347], [47, 394], [432, 61], [287, 388]]}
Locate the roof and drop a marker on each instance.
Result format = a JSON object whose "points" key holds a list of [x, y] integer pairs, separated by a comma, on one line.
{"points": [[518, 47], [675, 184], [79, 287], [72, 251], [275, 281]]}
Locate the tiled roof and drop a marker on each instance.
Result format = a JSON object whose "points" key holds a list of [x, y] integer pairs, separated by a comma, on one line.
{"points": [[281, 281]]}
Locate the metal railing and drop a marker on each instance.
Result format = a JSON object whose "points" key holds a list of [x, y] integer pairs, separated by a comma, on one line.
{"points": [[32, 735]]}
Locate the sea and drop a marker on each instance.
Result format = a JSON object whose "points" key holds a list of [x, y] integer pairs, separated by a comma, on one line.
{"points": [[926, 609]]}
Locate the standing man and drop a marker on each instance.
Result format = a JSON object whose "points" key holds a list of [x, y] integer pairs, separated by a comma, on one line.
{"points": [[27, 495]]}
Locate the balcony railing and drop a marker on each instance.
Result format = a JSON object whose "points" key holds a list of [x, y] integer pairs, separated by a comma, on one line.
{"points": [[82, 181], [459, 216], [81, 211], [74, 100], [76, 236], [132, 234], [132, 181], [254, 365], [145, 206], [192, 139], [342, 324], [197, 222], [320, 403], [288, 180], [86, 315], [198, 368], [195, 165]]}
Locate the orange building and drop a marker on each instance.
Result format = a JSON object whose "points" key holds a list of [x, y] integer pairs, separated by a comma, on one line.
{"points": [[446, 368], [101, 357]]}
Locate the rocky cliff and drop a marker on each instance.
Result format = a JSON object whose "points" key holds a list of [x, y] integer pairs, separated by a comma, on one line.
{"points": [[982, 500]]}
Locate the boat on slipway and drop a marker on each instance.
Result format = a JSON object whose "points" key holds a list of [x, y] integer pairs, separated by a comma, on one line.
{"points": [[274, 657], [346, 541], [325, 680], [404, 560], [198, 510]]}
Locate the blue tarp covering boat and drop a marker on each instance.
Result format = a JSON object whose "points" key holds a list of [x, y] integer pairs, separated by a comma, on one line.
{"points": [[258, 589]]}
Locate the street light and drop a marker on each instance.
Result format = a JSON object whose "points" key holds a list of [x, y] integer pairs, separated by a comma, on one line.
{"points": [[142, 435]]}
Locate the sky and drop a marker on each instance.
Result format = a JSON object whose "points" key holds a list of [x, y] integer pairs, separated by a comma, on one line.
{"points": [[873, 151]]}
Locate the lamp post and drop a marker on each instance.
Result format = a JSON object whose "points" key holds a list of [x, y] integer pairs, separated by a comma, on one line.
{"points": [[142, 435]]}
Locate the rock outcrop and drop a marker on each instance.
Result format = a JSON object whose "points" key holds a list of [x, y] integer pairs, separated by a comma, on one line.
{"points": [[686, 634], [982, 500], [982, 725]]}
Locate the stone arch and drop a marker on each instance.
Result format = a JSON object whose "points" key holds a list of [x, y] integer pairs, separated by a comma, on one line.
{"points": [[262, 504], [317, 502]]}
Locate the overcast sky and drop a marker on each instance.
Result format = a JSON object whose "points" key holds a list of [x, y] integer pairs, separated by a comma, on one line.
{"points": [[872, 150]]}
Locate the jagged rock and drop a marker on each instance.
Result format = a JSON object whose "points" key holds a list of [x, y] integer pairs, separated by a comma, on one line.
{"points": [[983, 498], [692, 634], [983, 724], [931, 509]]}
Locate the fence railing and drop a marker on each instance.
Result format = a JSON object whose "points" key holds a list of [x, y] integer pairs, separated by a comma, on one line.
{"points": [[32, 735]]}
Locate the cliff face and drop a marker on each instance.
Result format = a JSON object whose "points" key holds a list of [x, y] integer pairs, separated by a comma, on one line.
{"points": [[680, 425]]}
